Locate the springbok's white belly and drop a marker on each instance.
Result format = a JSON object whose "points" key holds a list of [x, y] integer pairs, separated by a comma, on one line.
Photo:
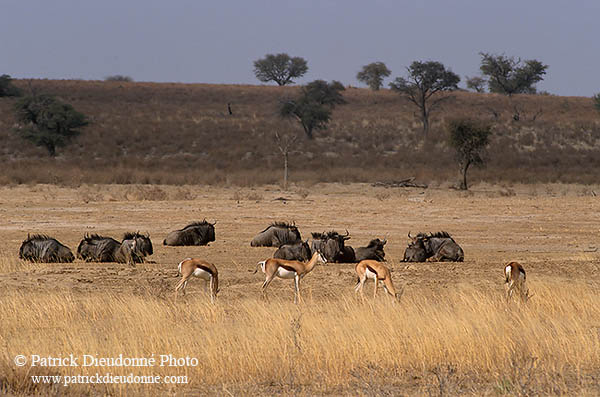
{"points": [[284, 273], [203, 274], [370, 274]]}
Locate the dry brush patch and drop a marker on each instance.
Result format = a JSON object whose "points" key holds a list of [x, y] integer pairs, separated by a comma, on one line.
{"points": [[465, 336]]}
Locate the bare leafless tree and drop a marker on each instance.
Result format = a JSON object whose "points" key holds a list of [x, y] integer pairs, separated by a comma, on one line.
{"points": [[285, 144]]}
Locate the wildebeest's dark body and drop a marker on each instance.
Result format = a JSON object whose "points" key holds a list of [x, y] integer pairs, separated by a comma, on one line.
{"points": [[331, 245], [96, 248], [435, 247], [276, 235], [374, 251], [294, 252], [42, 248], [138, 251], [197, 233]]}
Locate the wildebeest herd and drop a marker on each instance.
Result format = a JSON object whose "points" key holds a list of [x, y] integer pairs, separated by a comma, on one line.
{"points": [[294, 258]]}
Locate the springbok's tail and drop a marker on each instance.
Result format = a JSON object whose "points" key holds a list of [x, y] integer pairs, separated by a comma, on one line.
{"points": [[259, 264]]}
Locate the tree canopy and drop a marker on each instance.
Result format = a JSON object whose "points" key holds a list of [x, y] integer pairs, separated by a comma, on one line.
{"points": [[48, 122], [469, 138], [280, 68], [476, 83], [373, 74], [423, 86], [507, 75], [313, 107]]}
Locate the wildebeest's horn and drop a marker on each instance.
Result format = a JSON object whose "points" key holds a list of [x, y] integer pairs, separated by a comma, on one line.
{"points": [[213, 223], [384, 241], [409, 236]]}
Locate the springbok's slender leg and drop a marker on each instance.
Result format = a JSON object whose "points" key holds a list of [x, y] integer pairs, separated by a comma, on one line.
{"points": [[266, 284], [297, 289], [376, 285], [181, 286], [210, 286], [359, 287]]}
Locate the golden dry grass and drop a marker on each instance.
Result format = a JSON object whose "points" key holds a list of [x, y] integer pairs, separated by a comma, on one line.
{"points": [[322, 345]]}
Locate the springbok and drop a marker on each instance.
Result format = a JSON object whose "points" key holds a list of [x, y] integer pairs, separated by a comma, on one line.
{"points": [[515, 279], [372, 269], [283, 268], [198, 268]]}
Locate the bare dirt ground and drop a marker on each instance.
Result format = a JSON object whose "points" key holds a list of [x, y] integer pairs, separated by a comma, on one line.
{"points": [[553, 230]]}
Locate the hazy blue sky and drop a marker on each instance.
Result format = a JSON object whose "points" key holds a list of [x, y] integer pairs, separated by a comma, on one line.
{"points": [[217, 41]]}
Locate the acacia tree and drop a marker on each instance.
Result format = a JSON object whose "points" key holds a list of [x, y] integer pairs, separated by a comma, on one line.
{"points": [[48, 122], [424, 85], [476, 83], [7, 88], [507, 75], [373, 74], [280, 68], [312, 109], [469, 138]]}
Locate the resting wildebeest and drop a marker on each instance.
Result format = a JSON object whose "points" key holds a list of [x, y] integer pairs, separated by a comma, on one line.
{"points": [[434, 247], [95, 248], [372, 251], [415, 252], [294, 252], [41, 248], [276, 235], [331, 245], [197, 233], [136, 246]]}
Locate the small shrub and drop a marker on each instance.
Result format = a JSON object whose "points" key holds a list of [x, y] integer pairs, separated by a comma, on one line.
{"points": [[119, 77]]}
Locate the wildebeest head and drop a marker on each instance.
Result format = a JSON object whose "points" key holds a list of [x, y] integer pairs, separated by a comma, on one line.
{"points": [[143, 244], [331, 244], [374, 250], [439, 246], [276, 235], [197, 233], [98, 248], [41, 248]]}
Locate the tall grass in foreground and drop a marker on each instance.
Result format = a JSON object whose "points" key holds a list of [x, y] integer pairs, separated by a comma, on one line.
{"points": [[552, 344]]}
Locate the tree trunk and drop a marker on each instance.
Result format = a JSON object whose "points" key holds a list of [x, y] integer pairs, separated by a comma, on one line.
{"points": [[463, 176], [425, 119], [308, 131], [51, 149], [285, 170]]}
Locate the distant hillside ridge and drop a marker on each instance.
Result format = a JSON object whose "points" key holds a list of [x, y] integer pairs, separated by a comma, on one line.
{"points": [[184, 134]]}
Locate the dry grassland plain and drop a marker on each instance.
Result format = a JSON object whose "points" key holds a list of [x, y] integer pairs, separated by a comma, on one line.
{"points": [[451, 334]]}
